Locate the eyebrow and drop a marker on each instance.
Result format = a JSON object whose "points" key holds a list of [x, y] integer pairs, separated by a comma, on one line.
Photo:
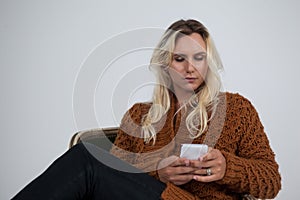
{"points": [[184, 55]]}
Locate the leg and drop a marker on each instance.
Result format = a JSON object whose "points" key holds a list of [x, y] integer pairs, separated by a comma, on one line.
{"points": [[78, 175]]}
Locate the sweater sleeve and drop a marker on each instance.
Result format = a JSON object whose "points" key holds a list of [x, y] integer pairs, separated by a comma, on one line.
{"points": [[126, 140], [253, 169], [129, 144]]}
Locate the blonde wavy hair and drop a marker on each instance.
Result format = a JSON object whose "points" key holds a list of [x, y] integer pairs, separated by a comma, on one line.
{"points": [[203, 102]]}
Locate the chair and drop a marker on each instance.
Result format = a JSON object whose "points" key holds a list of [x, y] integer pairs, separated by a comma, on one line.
{"points": [[104, 137]]}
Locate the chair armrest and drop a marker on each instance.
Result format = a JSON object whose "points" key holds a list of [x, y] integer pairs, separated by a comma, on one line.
{"points": [[103, 137]]}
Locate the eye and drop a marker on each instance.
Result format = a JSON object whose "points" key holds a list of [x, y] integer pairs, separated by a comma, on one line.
{"points": [[199, 57], [178, 58]]}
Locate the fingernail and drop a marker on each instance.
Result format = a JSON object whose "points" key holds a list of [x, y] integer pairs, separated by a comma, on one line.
{"points": [[187, 163], [195, 177]]}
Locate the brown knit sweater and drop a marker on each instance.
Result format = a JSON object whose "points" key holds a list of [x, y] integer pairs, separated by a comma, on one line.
{"points": [[235, 130]]}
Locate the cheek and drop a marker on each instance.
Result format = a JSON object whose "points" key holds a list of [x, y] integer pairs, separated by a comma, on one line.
{"points": [[202, 70], [174, 74], [178, 67], [176, 71]]}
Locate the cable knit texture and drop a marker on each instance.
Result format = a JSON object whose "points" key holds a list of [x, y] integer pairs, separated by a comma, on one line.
{"points": [[235, 130]]}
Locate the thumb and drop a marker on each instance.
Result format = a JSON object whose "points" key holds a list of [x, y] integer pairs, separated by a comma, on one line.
{"points": [[166, 162]]}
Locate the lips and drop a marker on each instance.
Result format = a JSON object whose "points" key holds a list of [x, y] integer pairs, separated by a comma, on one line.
{"points": [[190, 79]]}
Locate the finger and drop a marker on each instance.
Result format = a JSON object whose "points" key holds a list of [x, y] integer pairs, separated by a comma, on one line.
{"points": [[183, 170], [196, 164], [168, 173], [181, 179], [208, 151], [166, 162], [211, 155], [181, 162], [205, 179], [201, 172], [207, 164]]}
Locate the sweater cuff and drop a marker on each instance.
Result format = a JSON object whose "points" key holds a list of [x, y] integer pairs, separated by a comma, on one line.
{"points": [[234, 170], [172, 192]]}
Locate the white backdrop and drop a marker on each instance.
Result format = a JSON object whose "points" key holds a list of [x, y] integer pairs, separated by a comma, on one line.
{"points": [[43, 45]]}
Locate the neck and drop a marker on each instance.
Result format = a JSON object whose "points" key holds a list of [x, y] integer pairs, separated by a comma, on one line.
{"points": [[182, 98]]}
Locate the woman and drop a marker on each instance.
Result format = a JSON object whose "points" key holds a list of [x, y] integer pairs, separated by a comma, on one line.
{"points": [[188, 96], [187, 107]]}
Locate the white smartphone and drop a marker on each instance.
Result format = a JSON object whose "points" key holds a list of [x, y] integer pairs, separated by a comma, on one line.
{"points": [[193, 151]]}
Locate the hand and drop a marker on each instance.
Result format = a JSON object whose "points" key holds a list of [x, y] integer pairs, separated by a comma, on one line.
{"points": [[213, 160], [175, 170]]}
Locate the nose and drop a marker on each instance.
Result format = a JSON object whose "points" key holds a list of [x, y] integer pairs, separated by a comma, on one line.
{"points": [[190, 68]]}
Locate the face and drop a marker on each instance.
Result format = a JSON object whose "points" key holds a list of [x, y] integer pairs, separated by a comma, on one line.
{"points": [[188, 66]]}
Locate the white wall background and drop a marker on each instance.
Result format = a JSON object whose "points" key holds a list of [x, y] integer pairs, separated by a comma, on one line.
{"points": [[43, 44]]}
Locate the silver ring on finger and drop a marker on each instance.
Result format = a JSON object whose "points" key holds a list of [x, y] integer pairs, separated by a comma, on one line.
{"points": [[208, 172]]}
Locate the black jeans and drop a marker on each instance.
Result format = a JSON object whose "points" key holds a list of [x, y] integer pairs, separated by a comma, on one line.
{"points": [[77, 174]]}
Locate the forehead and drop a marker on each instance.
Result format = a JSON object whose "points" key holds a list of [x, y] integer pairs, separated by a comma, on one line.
{"points": [[190, 44]]}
